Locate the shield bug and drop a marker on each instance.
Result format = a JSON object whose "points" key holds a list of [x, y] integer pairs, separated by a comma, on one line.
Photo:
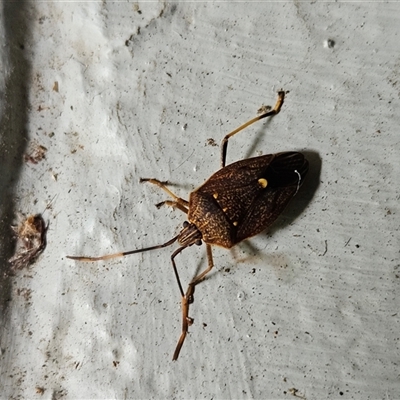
{"points": [[237, 202]]}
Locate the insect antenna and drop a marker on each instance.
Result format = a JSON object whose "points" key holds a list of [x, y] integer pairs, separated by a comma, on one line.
{"points": [[124, 253]]}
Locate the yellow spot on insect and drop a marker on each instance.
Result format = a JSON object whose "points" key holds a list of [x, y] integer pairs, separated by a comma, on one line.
{"points": [[215, 195], [263, 183], [225, 209], [235, 223]]}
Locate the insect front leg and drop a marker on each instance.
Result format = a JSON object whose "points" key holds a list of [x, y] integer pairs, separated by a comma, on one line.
{"points": [[174, 254], [186, 321], [179, 203], [187, 299], [173, 204], [201, 276]]}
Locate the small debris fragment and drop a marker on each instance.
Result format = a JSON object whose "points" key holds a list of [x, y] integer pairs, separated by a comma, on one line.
{"points": [[39, 390], [31, 241], [263, 109], [35, 153], [211, 142], [295, 392], [329, 43]]}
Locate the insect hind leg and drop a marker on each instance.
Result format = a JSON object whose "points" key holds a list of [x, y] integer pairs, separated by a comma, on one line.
{"points": [[268, 113], [178, 202]]}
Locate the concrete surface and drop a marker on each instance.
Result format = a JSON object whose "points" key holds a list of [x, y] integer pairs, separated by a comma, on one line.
{"points": [[116, 91]]}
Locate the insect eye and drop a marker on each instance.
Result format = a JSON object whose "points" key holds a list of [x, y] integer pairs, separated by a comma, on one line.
{"points": [[198, 242], [185, 224]]}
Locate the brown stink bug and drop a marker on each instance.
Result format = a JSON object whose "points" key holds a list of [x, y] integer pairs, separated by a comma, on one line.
{"points": [[237, 202]]}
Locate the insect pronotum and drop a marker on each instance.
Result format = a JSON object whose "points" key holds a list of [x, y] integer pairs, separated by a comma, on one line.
{"points": [[237, 202]]}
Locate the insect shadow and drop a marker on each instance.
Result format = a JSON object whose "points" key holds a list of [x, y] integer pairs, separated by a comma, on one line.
{"points": [[237, 202]]}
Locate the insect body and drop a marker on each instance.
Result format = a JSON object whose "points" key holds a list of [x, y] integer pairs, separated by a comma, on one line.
{"points": [[237, 202]]}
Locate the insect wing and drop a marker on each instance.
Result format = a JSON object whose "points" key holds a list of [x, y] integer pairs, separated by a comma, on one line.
{"points": [[284, 175], [250, 194]]}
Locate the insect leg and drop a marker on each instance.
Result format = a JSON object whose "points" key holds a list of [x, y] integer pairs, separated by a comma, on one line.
{"points": [[186, 322], [200, 277], [274, 111], [173, 204], [180, 203], [174, 254], [187, 299]]}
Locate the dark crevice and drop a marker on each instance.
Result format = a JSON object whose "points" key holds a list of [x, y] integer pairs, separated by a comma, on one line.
{"points": [[13, 139]]}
